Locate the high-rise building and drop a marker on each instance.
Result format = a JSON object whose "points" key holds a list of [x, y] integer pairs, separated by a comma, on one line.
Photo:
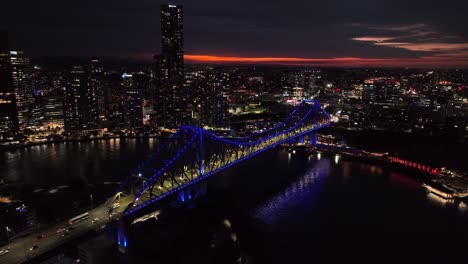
{"points": [[21, 75], [97, 83], [53, 111], [162, 94], [72, 99], [211, 90], [132, 102], [133, 109], [80, 102], [171, 91], [172, 34], [8, 116]]}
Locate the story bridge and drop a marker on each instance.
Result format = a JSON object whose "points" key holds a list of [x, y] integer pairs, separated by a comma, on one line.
{"points": [[174, 172], [194, 154]]}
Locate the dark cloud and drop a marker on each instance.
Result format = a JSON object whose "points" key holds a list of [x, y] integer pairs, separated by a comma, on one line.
{"points": [[275, 28]]}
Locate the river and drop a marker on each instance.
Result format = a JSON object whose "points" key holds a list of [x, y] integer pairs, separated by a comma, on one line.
{"points": [[288, 208]]}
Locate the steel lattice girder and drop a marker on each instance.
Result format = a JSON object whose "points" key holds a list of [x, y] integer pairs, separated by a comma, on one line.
{"points": [[193, 154]]}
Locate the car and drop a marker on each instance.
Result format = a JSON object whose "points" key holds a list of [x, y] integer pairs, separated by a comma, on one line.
{"points": [[95, 220], [3, 252], [39, 236], [61, 230], [33, 248]]}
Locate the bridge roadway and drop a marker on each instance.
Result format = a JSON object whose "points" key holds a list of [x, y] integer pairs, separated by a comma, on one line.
{"points": [[188, 177], [19, 249]]}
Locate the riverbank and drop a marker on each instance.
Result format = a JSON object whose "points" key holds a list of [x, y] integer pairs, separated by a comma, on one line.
{"points": [[440, 181], [439, 151], [48, 142]]}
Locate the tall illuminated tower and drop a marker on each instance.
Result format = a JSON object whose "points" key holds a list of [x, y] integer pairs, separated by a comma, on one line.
{"points": [[171, 92], [172, 40], [8, 114], [21, 74], [80, 101]]}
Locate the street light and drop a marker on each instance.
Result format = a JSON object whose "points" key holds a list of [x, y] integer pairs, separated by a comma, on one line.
{"points": [[91, 199], [8, 230]]}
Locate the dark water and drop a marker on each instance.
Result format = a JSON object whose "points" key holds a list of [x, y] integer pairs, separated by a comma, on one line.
{"points": [[284, 208], [435, 151], [92, 161]]}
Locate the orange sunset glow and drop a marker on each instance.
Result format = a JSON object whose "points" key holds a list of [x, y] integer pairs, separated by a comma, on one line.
{"points": [[440, 61]]}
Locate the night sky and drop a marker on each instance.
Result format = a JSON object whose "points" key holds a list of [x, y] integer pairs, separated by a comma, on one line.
{"points": [[329, 32]]}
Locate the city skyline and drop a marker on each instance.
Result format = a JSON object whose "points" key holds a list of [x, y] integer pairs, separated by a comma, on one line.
{"points": [[233, 132], [336, 33]]}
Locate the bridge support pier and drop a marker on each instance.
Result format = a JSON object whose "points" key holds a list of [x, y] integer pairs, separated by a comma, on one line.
{"points": [[313, 139], [125, 228], [190, 194], [122, 236], [301, 139]]}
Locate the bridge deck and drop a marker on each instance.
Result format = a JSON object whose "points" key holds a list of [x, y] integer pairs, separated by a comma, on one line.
{"points": [[19, 250], [188, 178]]}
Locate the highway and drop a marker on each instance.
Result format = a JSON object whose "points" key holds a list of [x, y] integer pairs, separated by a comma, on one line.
{"points": [[19, 249]]}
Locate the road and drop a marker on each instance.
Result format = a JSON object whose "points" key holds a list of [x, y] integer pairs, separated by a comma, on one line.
{"points": [[19, 249]]}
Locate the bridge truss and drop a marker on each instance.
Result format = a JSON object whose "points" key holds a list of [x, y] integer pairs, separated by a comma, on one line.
{"points": [[193, 154]]}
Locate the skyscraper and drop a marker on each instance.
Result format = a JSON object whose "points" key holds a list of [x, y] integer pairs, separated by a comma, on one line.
{"points": [[171, 91], [172, 36], [53, 110], [80, 103], [8, 116], [211, 89], [98, 85], [21, 75], [133, 109], [132, 102]]}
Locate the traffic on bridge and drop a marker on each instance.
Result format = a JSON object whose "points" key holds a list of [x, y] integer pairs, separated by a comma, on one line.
{"points": [[193, 154]]}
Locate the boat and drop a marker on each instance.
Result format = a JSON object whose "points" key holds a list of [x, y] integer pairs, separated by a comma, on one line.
{"points": [[440, 191]]}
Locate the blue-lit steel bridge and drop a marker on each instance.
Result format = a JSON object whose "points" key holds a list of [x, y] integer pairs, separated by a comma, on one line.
{"points": [[187, 158], [194, 154]]}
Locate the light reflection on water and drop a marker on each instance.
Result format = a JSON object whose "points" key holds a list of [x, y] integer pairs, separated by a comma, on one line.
{"points": [[463, 207], [337, 158], [438, 200], [301, 192], [58, 163]]}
